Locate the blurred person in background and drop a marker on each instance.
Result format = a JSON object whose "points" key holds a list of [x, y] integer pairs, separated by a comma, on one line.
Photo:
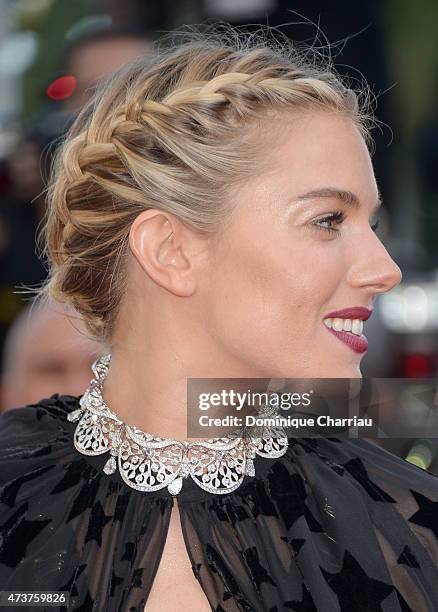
{"points": [[93, 56], [87, 58], [46, 349]]}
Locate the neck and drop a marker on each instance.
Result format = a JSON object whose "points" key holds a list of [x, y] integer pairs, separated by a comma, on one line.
{"points": [[146, 386]]}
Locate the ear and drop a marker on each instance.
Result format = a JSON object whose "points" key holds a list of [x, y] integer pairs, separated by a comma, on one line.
{"points": [[163, 247]]}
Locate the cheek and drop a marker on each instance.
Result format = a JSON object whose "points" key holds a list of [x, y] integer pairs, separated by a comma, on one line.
{"points": [[272, 292], [268, 293]]}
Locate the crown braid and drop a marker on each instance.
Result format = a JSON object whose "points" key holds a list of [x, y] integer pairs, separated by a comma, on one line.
{"points": [[175, 134]]}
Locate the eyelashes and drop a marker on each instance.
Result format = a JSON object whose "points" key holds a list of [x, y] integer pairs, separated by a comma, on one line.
{"points": [[335, 218]]}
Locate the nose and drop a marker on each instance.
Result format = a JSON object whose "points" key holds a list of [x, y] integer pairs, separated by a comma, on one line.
{"points": [[374, 268]]}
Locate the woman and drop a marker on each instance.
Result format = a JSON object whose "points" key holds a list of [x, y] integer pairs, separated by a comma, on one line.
{"points": [[208, 212]]}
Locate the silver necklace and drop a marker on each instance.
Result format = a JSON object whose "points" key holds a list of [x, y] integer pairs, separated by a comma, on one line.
{"points": [[148, 463]]}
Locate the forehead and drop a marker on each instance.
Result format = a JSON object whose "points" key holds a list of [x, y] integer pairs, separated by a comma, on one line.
{"points": [[319, 148]]}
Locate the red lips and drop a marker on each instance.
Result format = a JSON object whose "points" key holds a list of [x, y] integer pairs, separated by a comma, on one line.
{"points": [[359, 344], [355, 312]]}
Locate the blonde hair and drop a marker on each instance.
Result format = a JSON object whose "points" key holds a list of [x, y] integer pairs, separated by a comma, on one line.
{"points": [[172, 131]]}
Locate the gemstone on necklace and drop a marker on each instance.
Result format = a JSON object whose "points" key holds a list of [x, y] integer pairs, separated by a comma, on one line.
{"points": [[249, 468], [74, 416], [175, 486], [110, 466]]}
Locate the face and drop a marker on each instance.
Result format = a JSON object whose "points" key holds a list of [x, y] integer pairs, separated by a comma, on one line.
{"points": [[98, 58], [295, 251], [51, 356]]}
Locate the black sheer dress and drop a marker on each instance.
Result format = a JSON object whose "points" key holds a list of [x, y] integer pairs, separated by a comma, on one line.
{"points": [[334, 525]]}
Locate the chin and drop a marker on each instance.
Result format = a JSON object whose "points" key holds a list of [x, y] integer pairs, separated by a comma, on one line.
{"points": [[353, 372], [347, 371]]}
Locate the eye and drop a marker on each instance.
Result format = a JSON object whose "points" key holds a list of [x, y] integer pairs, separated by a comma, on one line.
{"points": [[334, 218]]}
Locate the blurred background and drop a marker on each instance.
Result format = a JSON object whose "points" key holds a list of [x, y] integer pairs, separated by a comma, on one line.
{"points": [[51, 53]]}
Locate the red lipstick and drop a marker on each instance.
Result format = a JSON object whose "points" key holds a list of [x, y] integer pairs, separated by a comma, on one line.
{"points": [[355, 312], [359, 344]]}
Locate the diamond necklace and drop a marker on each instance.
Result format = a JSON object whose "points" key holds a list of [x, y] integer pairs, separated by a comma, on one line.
{"points": [[148, 463]]}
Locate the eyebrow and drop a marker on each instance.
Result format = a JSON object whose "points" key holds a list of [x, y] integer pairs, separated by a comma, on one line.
{"points": [[346, 197]]}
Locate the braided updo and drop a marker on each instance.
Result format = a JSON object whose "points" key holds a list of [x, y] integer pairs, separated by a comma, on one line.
{"points": [[174, 131]]}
